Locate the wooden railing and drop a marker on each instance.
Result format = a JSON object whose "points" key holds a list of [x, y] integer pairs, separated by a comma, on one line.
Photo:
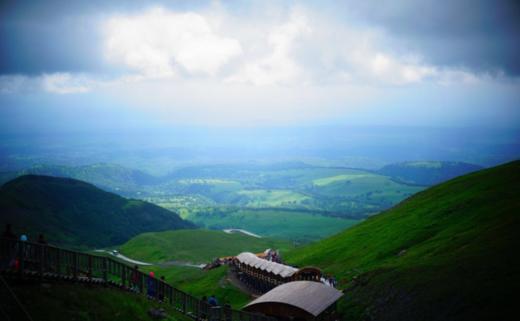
{"points": [[27, 259]]}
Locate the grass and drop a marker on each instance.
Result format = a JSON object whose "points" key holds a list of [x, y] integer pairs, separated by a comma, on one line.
{"points": [[66, 302], [272, 198], [295, 225], [338, 178], [77, 214], [195, 246], [342, 191], [445, 253], [201, 283], [198, 246]]}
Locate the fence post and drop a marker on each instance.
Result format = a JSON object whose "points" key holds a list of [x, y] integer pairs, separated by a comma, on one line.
{"points": [[105, 274], [123, 275], [58, 261], [183, 303], [75, 265], [90, 267], [21, 257], [141, 282], [197, 308], [41, 260]]}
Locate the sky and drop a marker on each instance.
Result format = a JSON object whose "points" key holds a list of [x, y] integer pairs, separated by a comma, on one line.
{"points": [[99, 65]]}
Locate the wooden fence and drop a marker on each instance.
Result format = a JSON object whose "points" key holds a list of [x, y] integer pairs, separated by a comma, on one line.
{"points": [[27, 259]]}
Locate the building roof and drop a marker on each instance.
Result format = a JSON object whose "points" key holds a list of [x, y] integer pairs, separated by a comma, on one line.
{"points": [[265, 265], [312, 297]]}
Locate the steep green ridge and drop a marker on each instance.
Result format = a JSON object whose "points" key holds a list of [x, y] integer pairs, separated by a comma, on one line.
{"points": [[447, 253], [427, 172], [66, 302], [195, 246], [75, 213]]}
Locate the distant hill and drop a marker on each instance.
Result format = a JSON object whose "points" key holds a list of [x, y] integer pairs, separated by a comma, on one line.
{"points": [[427, 173], [76, 213], [110, 177], [447, 253], [195, 246]]}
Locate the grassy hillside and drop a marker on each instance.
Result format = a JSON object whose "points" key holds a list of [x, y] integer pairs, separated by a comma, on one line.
{"points": [[257, 197], [201, 283], [65, 302], [195, 246], [427, 172], [446, 253], [294, 225], [74, 213]]}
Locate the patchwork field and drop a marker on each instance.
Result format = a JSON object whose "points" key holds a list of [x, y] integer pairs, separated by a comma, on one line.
{"points": [[297, 202], [319, 201]]}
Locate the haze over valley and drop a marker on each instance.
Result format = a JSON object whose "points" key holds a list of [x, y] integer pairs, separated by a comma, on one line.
{"points": [[259, 160]]}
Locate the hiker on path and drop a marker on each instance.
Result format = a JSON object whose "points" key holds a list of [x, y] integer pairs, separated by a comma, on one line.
{"points": [[213, 301], [150, 285]]}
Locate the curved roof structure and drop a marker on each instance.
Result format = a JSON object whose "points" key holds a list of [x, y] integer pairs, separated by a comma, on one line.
{"points": [[265, 265], [311, 297]]}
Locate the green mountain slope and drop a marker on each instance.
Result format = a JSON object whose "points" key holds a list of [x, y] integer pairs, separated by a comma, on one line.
{"points": [[195, 246], [76, 213], [427, 172], [447, 253]]}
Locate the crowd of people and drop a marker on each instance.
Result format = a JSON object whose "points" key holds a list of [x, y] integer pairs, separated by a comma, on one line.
{"points": [[155, 289], [13, 255], [329, 280], [10, 235]]}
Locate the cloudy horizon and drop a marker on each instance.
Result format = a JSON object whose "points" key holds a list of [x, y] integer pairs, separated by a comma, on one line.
{"points": [[297, 63]]}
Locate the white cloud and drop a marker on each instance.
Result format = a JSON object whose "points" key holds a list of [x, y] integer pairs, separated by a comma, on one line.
{"points": [[212, 66], [156, 42], [10, 84], [66, 83], [278, 66]]}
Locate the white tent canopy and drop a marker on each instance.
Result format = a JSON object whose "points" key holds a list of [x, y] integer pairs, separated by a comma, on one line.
{"points": [[254, 261]]}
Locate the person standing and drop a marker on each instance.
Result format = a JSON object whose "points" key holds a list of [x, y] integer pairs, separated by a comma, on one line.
{"points": [[150, 285], [213, 301]]}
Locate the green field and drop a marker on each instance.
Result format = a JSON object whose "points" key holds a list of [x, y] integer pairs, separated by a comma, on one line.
{"points": [[195, 246], [272, 198], [447, 251], [259, 198], [297, 226], [345, 192]]}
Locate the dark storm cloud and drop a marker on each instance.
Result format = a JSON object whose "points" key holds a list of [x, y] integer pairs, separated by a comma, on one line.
{"points": [[51, 36], [57, 36], [481, 35]]}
